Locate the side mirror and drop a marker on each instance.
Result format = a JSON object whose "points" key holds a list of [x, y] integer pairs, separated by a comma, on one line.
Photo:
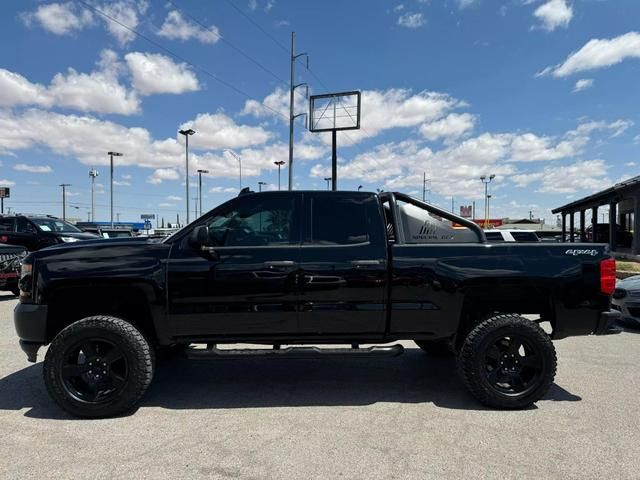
{"points": [[199, 237]]}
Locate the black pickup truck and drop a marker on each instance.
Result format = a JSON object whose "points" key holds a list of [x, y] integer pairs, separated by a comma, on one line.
{"points": [[305, 268]]}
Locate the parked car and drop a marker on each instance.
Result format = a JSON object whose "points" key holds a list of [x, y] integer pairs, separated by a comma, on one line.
{"points": [[511, 235], [308, 267], [626, 299], [35, 231], [10, 259]]}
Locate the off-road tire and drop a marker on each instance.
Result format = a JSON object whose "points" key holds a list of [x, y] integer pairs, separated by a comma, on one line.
{"points": [[474, 351], [136, 350], [16, 291], [436, 348]]}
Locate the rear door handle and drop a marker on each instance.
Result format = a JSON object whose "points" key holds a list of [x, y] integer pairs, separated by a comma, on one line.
{"points": [[365, 263], [279, 263]]}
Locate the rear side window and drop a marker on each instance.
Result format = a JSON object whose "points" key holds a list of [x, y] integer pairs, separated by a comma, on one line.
{"points": [[524, 236], [419, 225], [6, 224], [336, 220], [494, 237]]}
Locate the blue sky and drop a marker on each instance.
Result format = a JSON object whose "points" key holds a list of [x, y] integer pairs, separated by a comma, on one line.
{"points": [[541, 93]]}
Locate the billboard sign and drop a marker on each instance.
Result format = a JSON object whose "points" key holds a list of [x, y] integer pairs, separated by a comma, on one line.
{"points": [[148, 216], [466, 211], [5, 192]]}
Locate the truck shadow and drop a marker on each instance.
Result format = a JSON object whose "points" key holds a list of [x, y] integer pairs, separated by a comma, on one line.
{"points": [[260, 383]]}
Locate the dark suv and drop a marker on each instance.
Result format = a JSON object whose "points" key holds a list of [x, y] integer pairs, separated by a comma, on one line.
{"points": [[35, 232]]}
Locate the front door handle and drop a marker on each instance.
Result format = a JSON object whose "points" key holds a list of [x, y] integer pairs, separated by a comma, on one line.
{"points": [[279, 263], [365, 263]]}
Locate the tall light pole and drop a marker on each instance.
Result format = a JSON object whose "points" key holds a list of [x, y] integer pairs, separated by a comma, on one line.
{"points": [[292, 89], [200, 172], [93, 173], [187, 134], [489, 206], [260, 184], [279, 163], [486, 180], [239, 158], [328, 180], [111, 155], [64, 199]]}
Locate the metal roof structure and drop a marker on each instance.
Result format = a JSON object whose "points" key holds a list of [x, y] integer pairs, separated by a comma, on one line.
{"points": [[602, 197]]}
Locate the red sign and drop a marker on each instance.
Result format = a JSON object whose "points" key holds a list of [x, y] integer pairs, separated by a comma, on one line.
{"points": [[492, 222]]}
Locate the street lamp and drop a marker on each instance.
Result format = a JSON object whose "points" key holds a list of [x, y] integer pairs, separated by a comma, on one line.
{"points": [[260, 184], [239, 158], [64, 199], [486, 181], [328, 180], [489, 206], [93, 173], [111, 155], [279, 163], [187, 134], [359, 187], [200, 172]]}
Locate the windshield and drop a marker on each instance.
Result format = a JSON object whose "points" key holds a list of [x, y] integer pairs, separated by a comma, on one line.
{"points": [[55, 225]]}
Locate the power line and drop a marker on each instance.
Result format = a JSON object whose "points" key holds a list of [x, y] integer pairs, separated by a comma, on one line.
{"points": [[179, 57], [257, 25]]}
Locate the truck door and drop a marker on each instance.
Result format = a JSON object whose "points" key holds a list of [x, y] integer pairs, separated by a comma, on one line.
{"points": [[343, 264], [247, 283]]}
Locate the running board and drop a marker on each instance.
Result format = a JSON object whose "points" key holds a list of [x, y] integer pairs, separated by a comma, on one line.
{"points": [[295, 352]]}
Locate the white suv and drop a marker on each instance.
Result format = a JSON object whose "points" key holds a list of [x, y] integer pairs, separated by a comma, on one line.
{"points": [[511, 235]]}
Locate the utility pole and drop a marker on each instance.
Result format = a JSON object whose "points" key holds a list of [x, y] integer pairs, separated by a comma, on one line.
{"points": [[452, 208], [111, 155], [187, 134], [328, 180], [64, 199], [292, 89], [279, 163], [424, 186], [93, 173], [200, 172], [239, 158], [195, 207], [260, 184], [486, 181]]}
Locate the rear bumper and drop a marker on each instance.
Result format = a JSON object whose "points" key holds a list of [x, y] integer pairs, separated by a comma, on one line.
{"points": [[607, 323], [31, 326]]}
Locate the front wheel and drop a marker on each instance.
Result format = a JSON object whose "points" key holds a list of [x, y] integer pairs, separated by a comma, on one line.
{"points": [[508, 362], [98, 367]]}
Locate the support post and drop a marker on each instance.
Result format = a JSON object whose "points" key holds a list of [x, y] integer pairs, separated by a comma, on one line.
{"points": [[583, 230], [334, 161], [564, 226], [613, 240], [594, 223], [291, 118], [571, 227], [636, 226]]}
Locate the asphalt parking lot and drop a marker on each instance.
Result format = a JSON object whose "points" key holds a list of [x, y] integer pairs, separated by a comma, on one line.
{"points": [[405, 417]]}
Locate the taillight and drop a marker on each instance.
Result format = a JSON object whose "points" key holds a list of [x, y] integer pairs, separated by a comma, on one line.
{"points": [[607, 276]]}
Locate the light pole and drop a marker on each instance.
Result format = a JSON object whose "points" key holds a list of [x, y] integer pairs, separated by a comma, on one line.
{"points": [[93, 173], [111, 155], [359, 187], [279, 163], [260, 184], [200, 172], [64, 199], [328, 180], [489, 206], [187, 134], [486, 180], [239, 158]]}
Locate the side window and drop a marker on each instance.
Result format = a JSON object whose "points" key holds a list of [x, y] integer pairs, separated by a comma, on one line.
{"points": [[342, 220], [254, 223], [6, 224], [494, 237], [24, 226], [419, 225]]}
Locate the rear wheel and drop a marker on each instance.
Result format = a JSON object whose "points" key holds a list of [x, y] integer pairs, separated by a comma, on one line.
{"points": [[436, 348], [98, 367], [508, 362]]}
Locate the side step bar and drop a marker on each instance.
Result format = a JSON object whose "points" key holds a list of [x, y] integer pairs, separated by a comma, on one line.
{"points": [[295, 352]]}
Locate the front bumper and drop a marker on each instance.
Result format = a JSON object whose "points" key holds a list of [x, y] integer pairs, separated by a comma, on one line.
{"points": [[31, 326], [607, 323]]}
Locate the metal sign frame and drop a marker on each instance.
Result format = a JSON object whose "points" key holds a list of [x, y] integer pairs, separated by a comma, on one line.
{"points": [[312, 101]]}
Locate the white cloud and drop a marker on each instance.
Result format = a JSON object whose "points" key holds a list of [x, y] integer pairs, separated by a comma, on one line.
{"points": [[411, 20], [630, 164], [99, 91], [583, 84], [176, 27], [222, 190], [636, 139], [554, 14], [126, 12], [161, 174], [276, 101], [598, 53], [121, 183], [583, 175], [450, 127], [462, 4], [154, 73], [218, 131], [59, 18], [174, 198], [6, 183], [23, 167]]}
